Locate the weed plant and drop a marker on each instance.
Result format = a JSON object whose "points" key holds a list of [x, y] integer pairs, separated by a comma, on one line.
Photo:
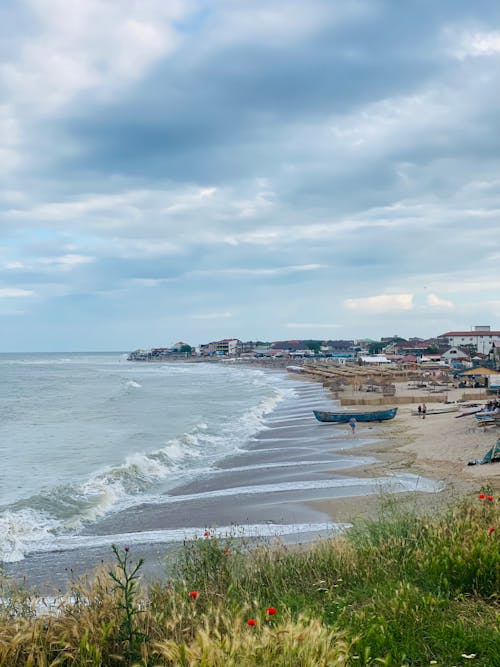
{"points": [[400, 590]]}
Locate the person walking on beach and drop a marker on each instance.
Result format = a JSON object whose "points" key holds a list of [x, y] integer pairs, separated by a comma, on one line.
{"points": [[352, 424], [419, 410], [424, 410]]}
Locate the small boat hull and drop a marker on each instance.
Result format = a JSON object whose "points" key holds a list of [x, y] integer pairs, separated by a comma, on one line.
{"points": [[343, 417]]}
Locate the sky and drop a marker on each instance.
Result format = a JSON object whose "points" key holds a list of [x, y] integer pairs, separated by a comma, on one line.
{"points": [[255, 169]]}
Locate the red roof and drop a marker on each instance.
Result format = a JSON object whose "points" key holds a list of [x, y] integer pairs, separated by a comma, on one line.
{"points": [[470, 333]]}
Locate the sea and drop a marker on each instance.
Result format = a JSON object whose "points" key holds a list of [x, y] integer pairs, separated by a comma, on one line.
{"points": [[88, 438]]}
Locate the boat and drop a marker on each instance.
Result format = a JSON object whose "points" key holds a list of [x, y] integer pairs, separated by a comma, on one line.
{"points": [[343, 417]]}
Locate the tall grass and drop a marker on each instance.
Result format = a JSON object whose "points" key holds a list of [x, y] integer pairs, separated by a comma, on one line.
{"points": [[400, 590]]}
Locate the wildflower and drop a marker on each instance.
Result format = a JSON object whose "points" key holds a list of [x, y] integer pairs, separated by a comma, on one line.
{"points": [[491, 530], [206, 533], [270, 611], [482, 496], [127, 548], [193, 594], [490, 498], [251, 622], [468, 656]]}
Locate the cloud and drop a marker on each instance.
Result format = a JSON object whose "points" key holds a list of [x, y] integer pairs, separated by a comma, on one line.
{"points": [[477, 43], [87, 45], [67, 262], [211, 316], [435, 302], [261, 271], [274, 159], [383, 303], [14, 293]]}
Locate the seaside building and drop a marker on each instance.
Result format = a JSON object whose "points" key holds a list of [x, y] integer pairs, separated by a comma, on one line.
{"points": [[454, 356], [482, 338]]}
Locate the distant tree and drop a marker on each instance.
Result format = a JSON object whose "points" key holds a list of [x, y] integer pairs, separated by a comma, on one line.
{"points": [[376, 347], [186, 349], [432, 349], [314, 345], [470, 349]]}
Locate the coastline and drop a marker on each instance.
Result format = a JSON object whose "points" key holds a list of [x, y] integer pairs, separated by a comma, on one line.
{"points": [[295, 472], [438, 447]]}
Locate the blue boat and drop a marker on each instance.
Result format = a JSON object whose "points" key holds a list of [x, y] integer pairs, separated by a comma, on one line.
{"points": [[343, 417]]}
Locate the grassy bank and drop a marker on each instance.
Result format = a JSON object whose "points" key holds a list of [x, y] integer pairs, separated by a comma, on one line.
{"points": [[402, 590]]}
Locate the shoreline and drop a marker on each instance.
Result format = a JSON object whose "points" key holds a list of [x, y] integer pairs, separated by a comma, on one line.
{"points": [[317, 474], [438, 447]]}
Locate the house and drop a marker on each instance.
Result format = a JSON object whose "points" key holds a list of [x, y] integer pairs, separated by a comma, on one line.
{"points": [[227, 346], [482, 338], [454, 355]]}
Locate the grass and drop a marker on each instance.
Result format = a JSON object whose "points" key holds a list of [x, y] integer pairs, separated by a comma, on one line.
{"points": [[400, 590]]}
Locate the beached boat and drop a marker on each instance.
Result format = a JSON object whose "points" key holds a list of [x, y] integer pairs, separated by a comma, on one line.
{"points": [[367, 416]]}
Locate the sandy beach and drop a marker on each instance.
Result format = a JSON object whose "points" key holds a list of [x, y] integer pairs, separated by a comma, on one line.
{"points": [[437, 447]]}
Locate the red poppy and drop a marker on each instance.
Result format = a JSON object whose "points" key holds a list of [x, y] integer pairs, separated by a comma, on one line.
{"points": [[193, 594], [251, 621], [206, 533], [482, 496], [490, 498], [270, 611], [491, 530]]}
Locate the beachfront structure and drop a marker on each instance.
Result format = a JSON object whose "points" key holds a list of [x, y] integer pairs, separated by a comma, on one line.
{"points": [[481, 338], [221, 348], [455, 355], [377, 359]]}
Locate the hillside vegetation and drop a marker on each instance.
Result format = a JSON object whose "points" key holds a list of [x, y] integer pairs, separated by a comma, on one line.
{"points": [[401, 590]]}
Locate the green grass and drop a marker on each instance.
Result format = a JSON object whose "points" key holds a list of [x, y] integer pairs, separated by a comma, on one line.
{"points": [[400, 590]]}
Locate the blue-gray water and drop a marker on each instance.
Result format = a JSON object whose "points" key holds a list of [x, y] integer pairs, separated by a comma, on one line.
{"points": [[95, 448]]}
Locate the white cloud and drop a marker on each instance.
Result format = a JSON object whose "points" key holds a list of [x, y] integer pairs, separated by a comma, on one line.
{"points": [[478, 43], [10, 138], [87, 45], [66, 262], [435, 302], [13, 266], [14, 293], [383, 303], [277, 271], [211, 316]]}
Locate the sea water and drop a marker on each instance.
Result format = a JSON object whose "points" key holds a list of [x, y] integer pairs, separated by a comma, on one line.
{"points": [[85, 435], [97, 450]]}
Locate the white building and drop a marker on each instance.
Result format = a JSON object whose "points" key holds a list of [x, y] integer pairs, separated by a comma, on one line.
{"points": [[482, 337]]}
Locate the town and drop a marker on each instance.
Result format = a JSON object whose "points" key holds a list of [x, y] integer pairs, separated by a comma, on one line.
{"points": [[479, 347]]}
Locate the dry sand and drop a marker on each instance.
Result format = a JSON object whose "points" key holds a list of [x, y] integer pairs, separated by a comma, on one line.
{"points": [[438, 447]]}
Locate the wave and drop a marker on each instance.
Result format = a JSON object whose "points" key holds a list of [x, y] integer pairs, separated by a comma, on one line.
{"points": [[73, 542], [139, 478], [132, 384]]}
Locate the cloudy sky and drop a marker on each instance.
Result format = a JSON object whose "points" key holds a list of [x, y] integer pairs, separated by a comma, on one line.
{"points": [[260, 169]]}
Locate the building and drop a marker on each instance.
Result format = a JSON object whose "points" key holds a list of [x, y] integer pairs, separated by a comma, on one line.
{"points": [[482, 338], [454, 355], [227, 347]]}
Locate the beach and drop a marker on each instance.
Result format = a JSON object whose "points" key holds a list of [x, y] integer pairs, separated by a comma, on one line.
{"points": [[295, 479], [437, 447]]}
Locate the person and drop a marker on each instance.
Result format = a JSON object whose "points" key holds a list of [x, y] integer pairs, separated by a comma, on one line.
{"points": [[424, 410], [352, 424], [419, 410]]}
